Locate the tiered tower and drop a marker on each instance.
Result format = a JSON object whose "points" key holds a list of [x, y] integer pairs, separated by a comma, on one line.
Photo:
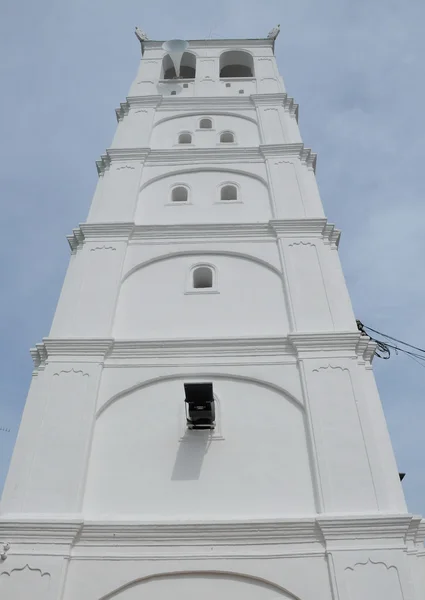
{"points": [[206, 259]]}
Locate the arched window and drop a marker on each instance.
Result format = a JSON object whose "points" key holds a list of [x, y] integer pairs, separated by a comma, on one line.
{"points": [[236, 63], [227, 137], [185, 138], [205, 124], [179, 194], [202, 277], [229, 192], [187, 67]]}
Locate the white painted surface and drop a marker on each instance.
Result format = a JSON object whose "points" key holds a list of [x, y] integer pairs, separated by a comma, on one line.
{"points": [[295, 494]]}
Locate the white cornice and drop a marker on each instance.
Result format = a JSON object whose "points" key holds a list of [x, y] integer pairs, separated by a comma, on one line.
{"points": [[103, 231], [36, 529], [120, 155], [322, 345], [166, 103], [342, 532], [214, 347], [301, 345], [215, 155], [205, 231], [302, 228], [278, 150], [137, 101], [205, 103], [349, 530], [219, 43], [281, 99], [269, 231]]}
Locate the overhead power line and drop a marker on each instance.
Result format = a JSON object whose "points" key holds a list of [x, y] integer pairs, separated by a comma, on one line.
{"points": [[384, 347]]}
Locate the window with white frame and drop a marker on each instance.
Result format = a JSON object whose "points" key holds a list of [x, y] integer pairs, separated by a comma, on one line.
{"points": [[180, 193], [228, 192], [205, 124], [227, 137], [185, 138]]}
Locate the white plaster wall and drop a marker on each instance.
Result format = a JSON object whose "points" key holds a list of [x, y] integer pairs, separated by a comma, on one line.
{"points": [[204, 204], [117, 198], [143, 456], [344, 464], [307, 289], [134, 129], [48, 471], [165, 133], [158, 300], [87, 303], [247, 578]]}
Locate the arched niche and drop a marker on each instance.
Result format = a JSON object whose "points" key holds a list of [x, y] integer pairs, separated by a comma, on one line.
{"points": [[142, 444], [187, 67], [236, 63], [154, 207], [208, 585], [156, 298], [244, 128]]}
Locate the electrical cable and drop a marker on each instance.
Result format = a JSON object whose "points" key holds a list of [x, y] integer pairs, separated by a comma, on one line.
{"points": [[393, 338], [385, 347]]}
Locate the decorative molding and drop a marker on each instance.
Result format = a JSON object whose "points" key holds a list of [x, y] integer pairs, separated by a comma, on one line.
{"points": [[307, 228], [26, 567], [3, 551], [370, 562], [90, 349], [122, 111], [323, 344], [217, 155], [39, 356], [98, 231], [102, 248], [75, 239], [366, 349], [348, 530], [303, 345], [321, 532], [141, 101], [121, 154], [25, 529], [302, 229], [277, 99], [329, 366], [195, 347], [69, 371], [305, 155], [240, 44], [202, 232]]}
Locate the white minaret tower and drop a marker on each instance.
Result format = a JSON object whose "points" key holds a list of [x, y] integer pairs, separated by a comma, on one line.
{"points": [[203, 420]]}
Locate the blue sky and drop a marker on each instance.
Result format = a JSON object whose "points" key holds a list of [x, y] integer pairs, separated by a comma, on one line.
{"points": [[356, 70]]}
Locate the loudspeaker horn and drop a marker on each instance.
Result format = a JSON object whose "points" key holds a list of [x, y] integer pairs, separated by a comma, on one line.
{"points": [[176, 49]]}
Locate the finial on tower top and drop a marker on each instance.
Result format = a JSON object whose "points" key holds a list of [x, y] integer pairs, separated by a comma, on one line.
{"points": [[274, 32], [141, 35]]}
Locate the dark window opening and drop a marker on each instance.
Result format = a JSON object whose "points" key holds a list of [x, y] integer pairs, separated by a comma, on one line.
{"points": [[173, 93], [205, 124], [179, 194], [185, 138], [236, 63], [229, 192], [202, 278], [227, 137]]}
